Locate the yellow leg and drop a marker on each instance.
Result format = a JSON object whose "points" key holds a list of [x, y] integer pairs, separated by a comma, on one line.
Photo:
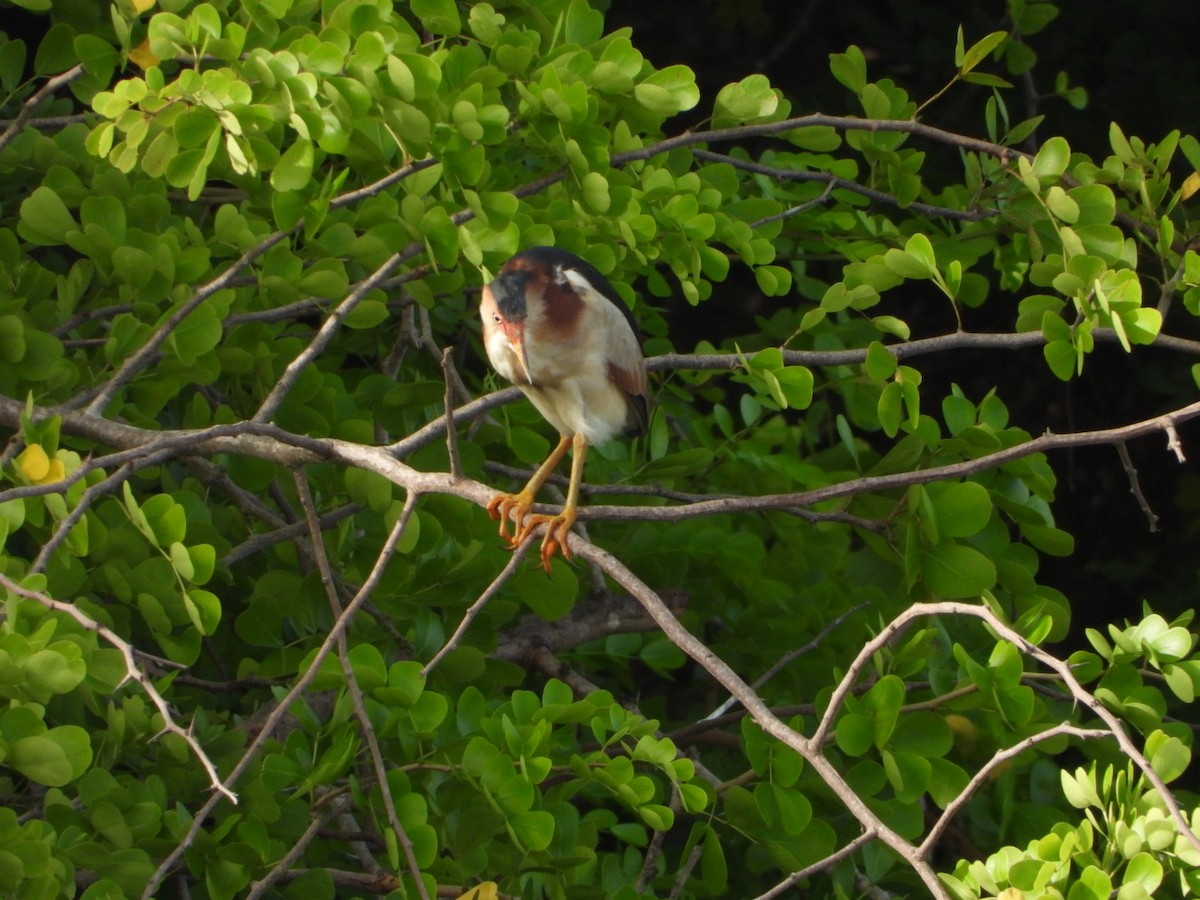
{"points": [[519, 505], [558, 527]]}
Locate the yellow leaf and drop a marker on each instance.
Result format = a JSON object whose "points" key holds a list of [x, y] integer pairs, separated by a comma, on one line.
{"points": [[34, 463], [140, 6], [57, 472], [141, 55], [485, 891], [1191, 184]]}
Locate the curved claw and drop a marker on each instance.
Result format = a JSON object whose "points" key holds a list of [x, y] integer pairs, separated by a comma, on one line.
{"points": [[502, 506], [558, 528]]}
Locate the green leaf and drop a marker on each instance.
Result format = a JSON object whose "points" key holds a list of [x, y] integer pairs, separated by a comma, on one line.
{"points": [[1051, 160], [294, 170], [46, 218], [55, 758], [57, 669], [854, 734], [439, 16], [1144, 871], [12, 339], [850, 68], [56, 52], [1093, 883], [916, 260], [204, 609], [657, 816], [881, 363], [12, 63], [1169, 756], [668, 91], [745, 101], [1060, 355], [533, 829], [406, 680], [955, 571], [595, 192], [962, 509], [889, 408], [978, 51], [197, 334], [884, 700], [796, 385]]}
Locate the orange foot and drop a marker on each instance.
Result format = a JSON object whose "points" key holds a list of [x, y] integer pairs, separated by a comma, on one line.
{"points": [[558, 528], [502, 506]]}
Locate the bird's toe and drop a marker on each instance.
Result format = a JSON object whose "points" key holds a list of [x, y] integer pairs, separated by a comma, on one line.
{"points": [[516, 507]]}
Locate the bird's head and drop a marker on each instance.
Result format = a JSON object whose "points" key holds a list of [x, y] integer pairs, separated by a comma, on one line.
{"points": [[506, 306]]}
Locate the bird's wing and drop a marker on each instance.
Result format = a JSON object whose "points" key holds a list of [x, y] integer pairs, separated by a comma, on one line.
{"points": [[622, 351]]}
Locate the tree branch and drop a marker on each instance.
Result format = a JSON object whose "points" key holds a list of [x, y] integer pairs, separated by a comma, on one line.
{"points": [[28, 107], [302, 683], [132, 673]]}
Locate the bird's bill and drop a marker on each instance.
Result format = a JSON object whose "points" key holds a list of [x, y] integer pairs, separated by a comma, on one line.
{"points": [[515, 332]]}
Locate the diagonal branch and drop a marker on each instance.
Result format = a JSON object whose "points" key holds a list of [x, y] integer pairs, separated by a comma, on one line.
{"points": [[759, 711], [132, 673], [145, 355], [329, 583], [302, 683], [28, 107]]}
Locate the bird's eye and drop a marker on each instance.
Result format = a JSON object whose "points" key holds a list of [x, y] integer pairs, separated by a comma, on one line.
{"points": [[496, 318]]}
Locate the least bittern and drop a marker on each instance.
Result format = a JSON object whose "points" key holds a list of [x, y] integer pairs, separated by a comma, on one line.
{"points": [[556, 328]]}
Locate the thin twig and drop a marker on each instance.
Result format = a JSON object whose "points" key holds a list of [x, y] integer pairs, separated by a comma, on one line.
{"points": [[477, 607], [831, 182], [988, 770], [132, 673], [27, 108], [787, 659], [448, 401], [360, 708], [329, 328], [256, 543], [819, 866], [654, 849], [302, 683], [281, 868], [144, 355], [93, 493], [1173, 442], [1135, 486]]}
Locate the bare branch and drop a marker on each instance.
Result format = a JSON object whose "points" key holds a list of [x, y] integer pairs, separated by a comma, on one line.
{"points": [[819, 866], [132, 673], [327, 646], [988, 770], [448, 401], [477, 607], [325, 334], [360, 709], [832, 182], [761, 713], [280, 869], [1135, 486], [787, 658], [144, 355], [28, 107], [272, 443]]}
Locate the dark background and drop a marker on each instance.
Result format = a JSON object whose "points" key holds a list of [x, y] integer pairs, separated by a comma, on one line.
{"points": [[1139, 64]]}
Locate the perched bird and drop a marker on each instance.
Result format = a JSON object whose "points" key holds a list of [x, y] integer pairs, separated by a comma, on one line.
{"points": [[555, 327]]}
